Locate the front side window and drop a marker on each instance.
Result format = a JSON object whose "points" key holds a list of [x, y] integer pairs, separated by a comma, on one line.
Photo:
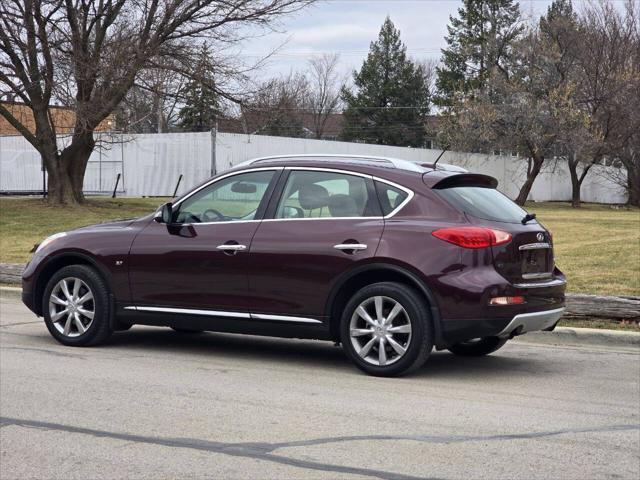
{"points": [[230, 199], [318, 194]]}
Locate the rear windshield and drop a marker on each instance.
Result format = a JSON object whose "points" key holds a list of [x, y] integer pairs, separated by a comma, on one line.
{"points": [[486, 203]]}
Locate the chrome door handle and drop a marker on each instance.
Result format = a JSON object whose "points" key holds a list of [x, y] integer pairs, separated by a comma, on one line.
{"points": [[350, 246], [232, 248]]}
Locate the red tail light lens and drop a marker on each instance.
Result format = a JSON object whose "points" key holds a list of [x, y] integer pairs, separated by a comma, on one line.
{"points": [[473, 237], [507, 301]]}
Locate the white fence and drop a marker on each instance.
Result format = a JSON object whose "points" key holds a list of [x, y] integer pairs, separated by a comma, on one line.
{"points": [[151, 164]]}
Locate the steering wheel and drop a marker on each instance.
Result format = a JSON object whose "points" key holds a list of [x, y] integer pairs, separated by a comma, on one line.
{"points": [[212, 215]]}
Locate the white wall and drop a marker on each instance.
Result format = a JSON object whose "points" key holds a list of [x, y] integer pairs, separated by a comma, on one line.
{"points": [[150, 164]]}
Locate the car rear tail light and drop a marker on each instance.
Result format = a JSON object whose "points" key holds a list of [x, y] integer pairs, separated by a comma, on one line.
{"points": [[473, 237], [506, 301]]}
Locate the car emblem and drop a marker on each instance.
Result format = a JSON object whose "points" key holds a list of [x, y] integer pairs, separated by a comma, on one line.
{"points": [[541, 237]]}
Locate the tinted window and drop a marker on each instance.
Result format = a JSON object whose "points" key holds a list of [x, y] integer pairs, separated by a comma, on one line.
{"points": [[310, 194], [390, 197], [230, 199], [486, 203]]}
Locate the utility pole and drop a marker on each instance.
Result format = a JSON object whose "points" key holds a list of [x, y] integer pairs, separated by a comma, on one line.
{"points": [[214, 132]]}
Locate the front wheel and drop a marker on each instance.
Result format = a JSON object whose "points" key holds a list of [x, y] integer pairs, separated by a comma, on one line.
{"points": [[75, 305], [386, 329], [478, 346]]}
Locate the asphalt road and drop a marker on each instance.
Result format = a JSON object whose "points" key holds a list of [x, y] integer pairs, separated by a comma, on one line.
{"points": [[156, 404]]}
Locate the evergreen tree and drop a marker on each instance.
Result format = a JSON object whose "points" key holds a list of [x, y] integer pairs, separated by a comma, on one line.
{"points": [[479, 40], [391, 97], [201, 106]]}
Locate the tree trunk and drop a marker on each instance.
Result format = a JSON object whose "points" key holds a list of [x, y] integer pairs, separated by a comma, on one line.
{"points": [[66, 171], [575, 183], [532, 173], [633, 186]]}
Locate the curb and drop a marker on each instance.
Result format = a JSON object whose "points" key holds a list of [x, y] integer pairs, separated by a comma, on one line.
{"points": [[561, 336], [10, 292], [581, 337]]}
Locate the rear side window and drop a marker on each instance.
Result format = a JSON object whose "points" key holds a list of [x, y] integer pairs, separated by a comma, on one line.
{"points": [[390, 197], [321, 194], [482, 202]]}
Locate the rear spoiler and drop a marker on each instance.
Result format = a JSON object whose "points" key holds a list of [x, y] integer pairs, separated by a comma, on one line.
{"points": [[466, 180]]}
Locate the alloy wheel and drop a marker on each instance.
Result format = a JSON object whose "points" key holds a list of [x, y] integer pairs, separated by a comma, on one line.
{"points": [[380, 330], [71, 307]]}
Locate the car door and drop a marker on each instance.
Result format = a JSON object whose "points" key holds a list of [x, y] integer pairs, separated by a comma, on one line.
{"points": [[324, 222], [199, 261]]}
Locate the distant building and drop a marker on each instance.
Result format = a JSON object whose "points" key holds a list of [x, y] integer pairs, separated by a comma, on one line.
{"points": [[253, 123], [63, 119]]}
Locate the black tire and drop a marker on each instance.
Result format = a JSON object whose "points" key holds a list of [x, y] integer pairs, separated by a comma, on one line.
{"points": [[420, 342], [186, 330], [99, 329], [478, 348]]}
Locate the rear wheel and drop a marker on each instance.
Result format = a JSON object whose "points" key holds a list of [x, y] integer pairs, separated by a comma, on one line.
{"points": [[478, 346], [386, 329], [76, 306]]}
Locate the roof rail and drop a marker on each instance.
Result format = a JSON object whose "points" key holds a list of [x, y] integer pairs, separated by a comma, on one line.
{"points": [[393, 162]]}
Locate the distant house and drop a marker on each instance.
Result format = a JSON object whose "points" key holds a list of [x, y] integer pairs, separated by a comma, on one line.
{"points": [[63, 119]]}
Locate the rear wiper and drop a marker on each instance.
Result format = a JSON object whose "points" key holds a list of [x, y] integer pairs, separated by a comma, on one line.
{"points": [[528, 217]]}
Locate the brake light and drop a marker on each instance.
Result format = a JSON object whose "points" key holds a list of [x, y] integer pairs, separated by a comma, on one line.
{"points": [[473, 237]]}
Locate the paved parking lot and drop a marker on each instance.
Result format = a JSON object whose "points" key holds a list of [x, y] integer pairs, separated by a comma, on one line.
{"points": [[156, 404]]}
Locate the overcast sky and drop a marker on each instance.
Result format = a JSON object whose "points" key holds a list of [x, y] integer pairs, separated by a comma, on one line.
{"points": [[348, 26]]}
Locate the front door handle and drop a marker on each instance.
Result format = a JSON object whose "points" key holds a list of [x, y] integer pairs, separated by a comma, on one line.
{"points": [[350, 246], [232, 248]]}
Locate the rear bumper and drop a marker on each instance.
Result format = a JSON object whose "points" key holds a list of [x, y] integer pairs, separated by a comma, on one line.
{"points": [[530, 322]]}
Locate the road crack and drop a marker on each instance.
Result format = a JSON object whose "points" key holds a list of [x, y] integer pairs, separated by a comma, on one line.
{"points": [[265, 451]]}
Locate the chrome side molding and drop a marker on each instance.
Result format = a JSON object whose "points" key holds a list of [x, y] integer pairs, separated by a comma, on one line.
{"points": [[217, 313], [190, 311]]}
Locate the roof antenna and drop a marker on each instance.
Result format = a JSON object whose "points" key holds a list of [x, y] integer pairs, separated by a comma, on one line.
{"points": [[435, 164]]}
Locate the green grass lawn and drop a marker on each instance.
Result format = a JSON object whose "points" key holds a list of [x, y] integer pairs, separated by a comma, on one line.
{"points": [[597, 247], [27, 221]]}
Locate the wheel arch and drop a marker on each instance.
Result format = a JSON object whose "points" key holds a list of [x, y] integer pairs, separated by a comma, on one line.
{"points": [[352, 281], [62, 260]]}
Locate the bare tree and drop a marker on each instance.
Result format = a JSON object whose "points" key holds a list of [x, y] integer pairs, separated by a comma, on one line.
{"points": [[325, 84], [606, 72], [152, 103], [101, 46], [520, 112], [277, 107]]}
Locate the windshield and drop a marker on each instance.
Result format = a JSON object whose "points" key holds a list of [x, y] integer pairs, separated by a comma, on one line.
{"points": [[481, 202]]}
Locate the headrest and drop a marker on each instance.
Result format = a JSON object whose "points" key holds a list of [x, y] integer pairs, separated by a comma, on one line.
{"points": [[312, 196], [343, 206]]}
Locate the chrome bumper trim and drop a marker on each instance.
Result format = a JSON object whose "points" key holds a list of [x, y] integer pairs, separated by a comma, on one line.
{"points": [[551, 283], [532, 321]]}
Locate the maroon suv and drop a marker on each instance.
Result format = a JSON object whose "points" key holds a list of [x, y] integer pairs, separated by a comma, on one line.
{"points": [[387, 257]]}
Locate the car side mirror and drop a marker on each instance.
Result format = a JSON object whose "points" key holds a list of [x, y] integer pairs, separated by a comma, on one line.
{"points": [[164, 214]]}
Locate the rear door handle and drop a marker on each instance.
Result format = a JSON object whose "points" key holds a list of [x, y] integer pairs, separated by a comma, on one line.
{"points": [[350, 246], [232, 248]]}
